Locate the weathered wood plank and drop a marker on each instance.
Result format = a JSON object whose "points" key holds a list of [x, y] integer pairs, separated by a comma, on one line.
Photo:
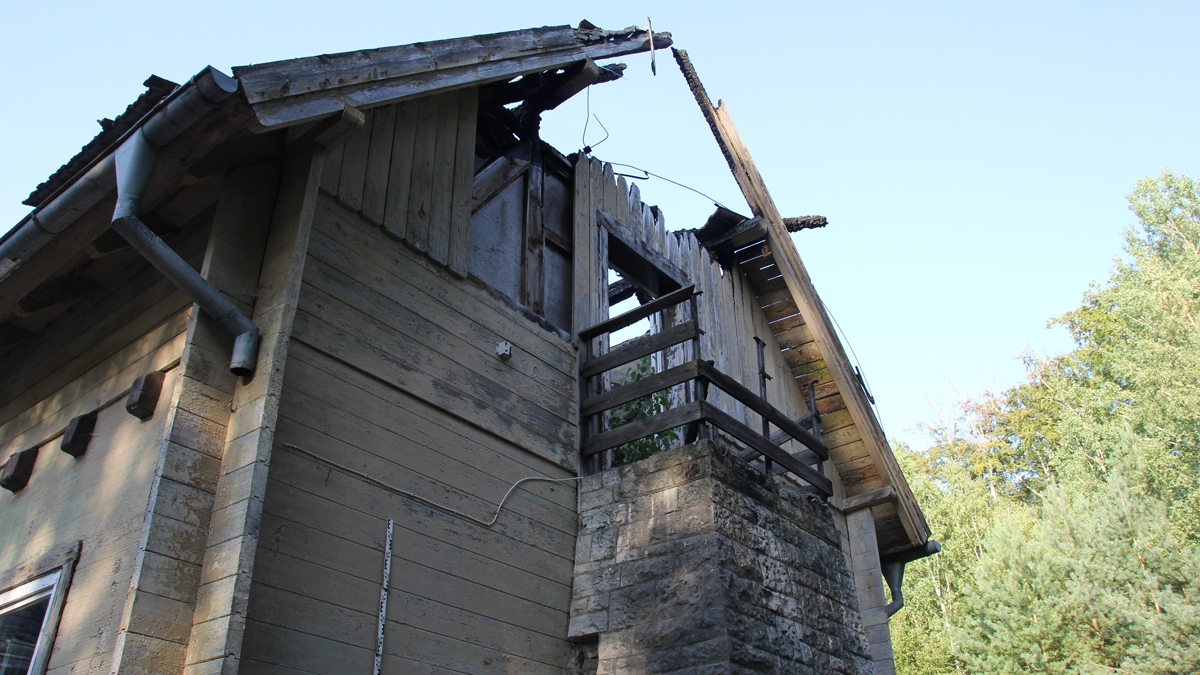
{"points": [[332, 172], [764, 408], [637, 314], [359, 559], [404, 138], [584, 252], [464, 168], [532, 268], [420, 199], [444, 153], [527, 425], [424, 330], [449, 478], [638, 347], [765, 447], [310, 493], [379, 159], [354, 165], [646, 426], [400, 272], [635, 390]]}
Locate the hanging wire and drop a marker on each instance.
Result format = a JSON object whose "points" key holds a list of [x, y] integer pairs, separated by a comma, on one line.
{"points": [[857, 364], [418, 498], [648, 174], [587, 149]]}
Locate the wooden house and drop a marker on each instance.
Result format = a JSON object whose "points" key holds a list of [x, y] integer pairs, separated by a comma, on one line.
{"points": [[276, 347]]}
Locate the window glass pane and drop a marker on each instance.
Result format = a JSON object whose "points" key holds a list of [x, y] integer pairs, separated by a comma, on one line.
{"points": [[19, 631]]}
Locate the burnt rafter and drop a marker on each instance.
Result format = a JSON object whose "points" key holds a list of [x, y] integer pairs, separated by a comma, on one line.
{"points": [[805, 223], [536, 93]]}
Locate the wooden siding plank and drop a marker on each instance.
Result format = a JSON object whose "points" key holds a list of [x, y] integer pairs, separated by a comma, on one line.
{"points": [[379, 158], [338, 241], [395, 220], [478, 465], [362, 559], [424, 330], [332, 173], [488, 405], [354, 165], [309, 492], [420, 199], [464, 169], [442, 194]]}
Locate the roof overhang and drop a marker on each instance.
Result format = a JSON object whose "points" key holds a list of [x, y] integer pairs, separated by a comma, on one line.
{"points": [[291, 92]]}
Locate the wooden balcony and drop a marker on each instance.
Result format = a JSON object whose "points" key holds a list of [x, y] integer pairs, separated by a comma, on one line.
{"points": [[696, 414]]}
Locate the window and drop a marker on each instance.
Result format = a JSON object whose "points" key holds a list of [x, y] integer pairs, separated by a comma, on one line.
{"points": [[29, 611]]}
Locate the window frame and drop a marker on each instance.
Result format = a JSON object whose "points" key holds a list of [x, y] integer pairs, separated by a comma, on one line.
{"points": [[49, 575]]}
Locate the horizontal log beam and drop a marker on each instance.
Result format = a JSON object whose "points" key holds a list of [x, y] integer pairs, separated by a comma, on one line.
{"points": [[637, 314], [648, 426], [774, 415], [764, 447], [639, 347], [643, 387]]}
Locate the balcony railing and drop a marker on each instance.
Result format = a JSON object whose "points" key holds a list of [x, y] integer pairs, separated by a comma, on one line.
{"points": [[698, 416]]}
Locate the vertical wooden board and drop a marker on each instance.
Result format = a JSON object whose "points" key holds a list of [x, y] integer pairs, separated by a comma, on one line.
{"points": [[634, 218], [379, 157], [610, 190], [332, 172], [444, 154], [354, 165], [702, 304], [660, 230], [622, 212], [749, 346], [598, 302], [399, 187], [532, 281], [464, 173], [647, 224], [420, 200], [584, 248]]}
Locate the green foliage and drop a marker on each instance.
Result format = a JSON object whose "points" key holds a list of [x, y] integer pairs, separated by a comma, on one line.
{"points": [[1069, 506], [641, 408], [1091, 582]]}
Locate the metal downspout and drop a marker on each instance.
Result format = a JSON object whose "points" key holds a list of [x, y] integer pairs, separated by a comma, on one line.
{"points": [[135, 161], [893, 571]]}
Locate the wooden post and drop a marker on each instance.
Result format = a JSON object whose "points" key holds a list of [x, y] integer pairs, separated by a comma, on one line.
{"points": [[215, 644], [868, 585]]}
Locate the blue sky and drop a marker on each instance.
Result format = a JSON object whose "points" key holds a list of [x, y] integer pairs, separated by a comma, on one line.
{"points": [[972, 158]]}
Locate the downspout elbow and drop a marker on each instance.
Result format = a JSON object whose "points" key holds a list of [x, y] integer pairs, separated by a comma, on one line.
{"points": [[135, 162], [893, 571]]}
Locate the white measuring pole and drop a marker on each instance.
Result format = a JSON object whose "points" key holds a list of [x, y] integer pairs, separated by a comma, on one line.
{"points": [[383, 593]]}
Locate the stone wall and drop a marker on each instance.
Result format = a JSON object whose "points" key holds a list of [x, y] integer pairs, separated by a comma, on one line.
{"points": [[690, 560]]}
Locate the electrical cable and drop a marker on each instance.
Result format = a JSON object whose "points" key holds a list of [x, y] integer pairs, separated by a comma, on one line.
{"points": [[418, 498], [651, 173], [857, 363]]}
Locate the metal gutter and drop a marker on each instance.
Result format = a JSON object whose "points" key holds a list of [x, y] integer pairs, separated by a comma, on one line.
{"points": [[130, 168]]}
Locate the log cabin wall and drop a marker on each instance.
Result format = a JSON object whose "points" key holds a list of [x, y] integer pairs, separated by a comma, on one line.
{"points": [[730, 315], [132, 324], [392, 372]]}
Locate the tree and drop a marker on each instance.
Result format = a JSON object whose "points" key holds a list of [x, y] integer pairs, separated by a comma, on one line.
{"points": [[1090, 582], [1069, 505]]}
